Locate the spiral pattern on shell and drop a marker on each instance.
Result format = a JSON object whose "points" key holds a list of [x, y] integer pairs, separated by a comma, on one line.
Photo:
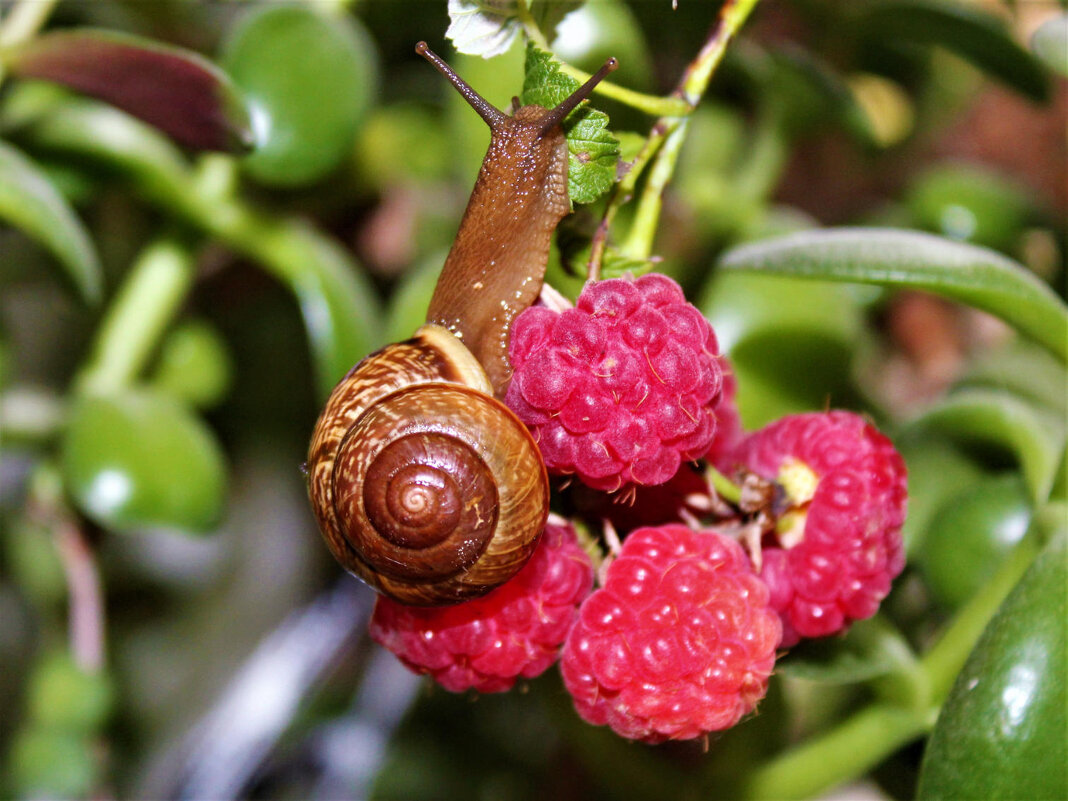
{"points": [[424, 485]]}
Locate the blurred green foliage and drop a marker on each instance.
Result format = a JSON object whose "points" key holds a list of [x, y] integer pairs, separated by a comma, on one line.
{"points": [[167, 383]]}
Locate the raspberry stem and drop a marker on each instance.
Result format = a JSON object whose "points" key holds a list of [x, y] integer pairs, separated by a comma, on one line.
{"points": [[723, 486], [586, 540]]}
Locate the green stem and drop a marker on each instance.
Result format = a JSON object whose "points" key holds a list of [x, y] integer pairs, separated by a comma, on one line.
{"points": [[695, 80], [653, 105], [25, 19], [665, 140], [724, 487], [945, 659], [146, 303], [639, 242], [849, 750], [621, 194], [45, 504]]}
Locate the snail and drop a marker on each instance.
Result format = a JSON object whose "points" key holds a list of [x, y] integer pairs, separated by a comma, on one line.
{"points": [[424, 484]]}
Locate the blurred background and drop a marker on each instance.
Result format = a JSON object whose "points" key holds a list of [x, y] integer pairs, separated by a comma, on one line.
{"points": [[235, 660]]}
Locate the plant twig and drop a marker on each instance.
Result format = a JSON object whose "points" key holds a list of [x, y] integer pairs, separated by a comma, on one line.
{"points": [[724, 487], [22, 23], [86, 617], [25, 19], [664, 143], [153, 291], [695, 78], [639, 242], [848, 750], [653, 105]]}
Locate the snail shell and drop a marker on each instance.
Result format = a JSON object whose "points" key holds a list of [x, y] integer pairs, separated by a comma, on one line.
{"points": [[424, 485]]}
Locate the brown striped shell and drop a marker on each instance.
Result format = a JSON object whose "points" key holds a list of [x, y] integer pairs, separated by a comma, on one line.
{"points": [[424, 485]]}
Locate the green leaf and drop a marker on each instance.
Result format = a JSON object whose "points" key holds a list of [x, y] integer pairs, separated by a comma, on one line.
{"points": [[29, 202], [594, 152], [337, 302], [174, 90], [1023, 369], [309, 79], [194, 365], [1050, 43], [615, 264], [968, 203], [63, 696], [913, 260], [403, 144], [937, 470], [1034, 437], [51, 764], [595, 32], [970, 535], [808, 93], [1000, 733], [339, 307], [114, 140], [791, 342], [870, 648], [141, 460], [976, 35]]}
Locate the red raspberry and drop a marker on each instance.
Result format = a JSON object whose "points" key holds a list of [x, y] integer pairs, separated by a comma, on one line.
{"points": [[487, 643], [838, 544], [679, 642], [621, 389], [728, 421]]}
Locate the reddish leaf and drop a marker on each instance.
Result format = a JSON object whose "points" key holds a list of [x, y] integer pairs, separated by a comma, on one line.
{"points": [[175, 90]]}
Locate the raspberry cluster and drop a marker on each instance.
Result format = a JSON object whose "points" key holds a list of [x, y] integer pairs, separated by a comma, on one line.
{"points": [[838, 543], [677, 643], [620, 389], [488, 643], [627, 392]]}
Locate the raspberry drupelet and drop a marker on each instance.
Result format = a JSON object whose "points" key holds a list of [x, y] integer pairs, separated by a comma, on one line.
{"points": [[620, 389], [488, 643], [837, 544], [679, 641]]}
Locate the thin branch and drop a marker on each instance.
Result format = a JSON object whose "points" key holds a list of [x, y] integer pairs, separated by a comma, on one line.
{"points": [[653, 105], [25, 19], [665, 139], [150, 296], [86, 617]]}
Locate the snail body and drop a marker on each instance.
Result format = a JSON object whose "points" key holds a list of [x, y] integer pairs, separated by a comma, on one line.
{"points": [[424, 484]]}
